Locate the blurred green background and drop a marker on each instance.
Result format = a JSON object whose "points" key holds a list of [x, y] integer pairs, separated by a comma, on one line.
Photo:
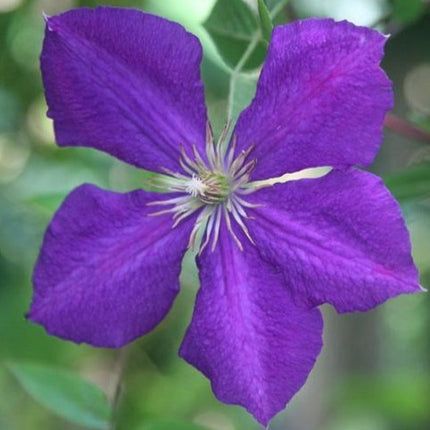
{"points": [[374, 372]]}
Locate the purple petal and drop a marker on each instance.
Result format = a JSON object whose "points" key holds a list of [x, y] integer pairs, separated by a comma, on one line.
{"points": [[107, 272], [321, 99], [339, 239], [124, 82], [247, 336]]}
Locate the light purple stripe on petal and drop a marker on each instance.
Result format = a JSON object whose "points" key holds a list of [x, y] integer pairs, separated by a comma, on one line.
{"points": [[107, 272], [339, 239], [321, 99], [247, 336], [124, 82]]}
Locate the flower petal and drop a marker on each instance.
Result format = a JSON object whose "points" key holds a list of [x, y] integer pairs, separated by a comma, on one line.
{"points": [[339, 239], [247, 336], [321, 99], [107, 272], [124, 82]]}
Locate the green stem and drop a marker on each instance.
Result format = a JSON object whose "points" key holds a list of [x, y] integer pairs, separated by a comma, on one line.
{"points": [[279, 6]]}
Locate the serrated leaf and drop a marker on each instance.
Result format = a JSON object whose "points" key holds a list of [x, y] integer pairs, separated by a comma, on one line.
{"points": [[412, 183], [265, 20], [65, 394], [232, 26]]}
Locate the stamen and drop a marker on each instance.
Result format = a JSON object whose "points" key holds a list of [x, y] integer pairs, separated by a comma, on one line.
{"points": [[216, 185], [163, 212], [239, 207], [209, 227], [173, 174], [245, 190], [245, 170], [203, 218], [216, 227], [222, 144], [197, 157], [185, 167], [209, 143], [166, 202], [242, 225], [246, 204], [183, 215], [230, 156], [230, 229], [235, 166], [192, 164]]}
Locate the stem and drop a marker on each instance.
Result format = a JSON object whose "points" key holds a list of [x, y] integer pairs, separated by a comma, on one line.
{"points": [[252, 44], [279, 6], [406, 128], [118, 372]]}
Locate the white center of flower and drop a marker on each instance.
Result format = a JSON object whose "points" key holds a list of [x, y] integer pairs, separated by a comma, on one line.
{"points": [[215, 186], [196, 187]]}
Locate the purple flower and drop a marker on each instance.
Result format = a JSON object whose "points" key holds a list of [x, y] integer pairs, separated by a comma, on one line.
{"points": [[129, 84]]}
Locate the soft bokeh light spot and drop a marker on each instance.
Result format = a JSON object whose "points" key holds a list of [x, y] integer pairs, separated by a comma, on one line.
{"points": [[25, 40], [9, 5], [214, 421], [417, 89], [39, 125], [52, 7], [13, 157], [360, 12]]}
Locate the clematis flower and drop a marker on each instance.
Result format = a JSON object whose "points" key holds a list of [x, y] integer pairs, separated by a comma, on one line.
{"points": [[129, 84]]}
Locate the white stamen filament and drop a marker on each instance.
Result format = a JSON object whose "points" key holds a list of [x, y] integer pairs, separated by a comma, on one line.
{"points": [[214, 185]]}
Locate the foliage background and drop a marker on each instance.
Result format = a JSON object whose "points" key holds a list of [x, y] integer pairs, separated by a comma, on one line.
{"points": [[374, 372]]}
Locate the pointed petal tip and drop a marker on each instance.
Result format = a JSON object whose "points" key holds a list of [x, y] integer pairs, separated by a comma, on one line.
{"points": [[127, 50], [348, 70], [379, 265], [51, 22], [110, 286], [253, 343], [51, 329]]}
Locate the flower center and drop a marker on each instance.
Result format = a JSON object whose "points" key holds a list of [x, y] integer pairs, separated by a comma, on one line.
{"points": [[216, 187], [211, 188]]}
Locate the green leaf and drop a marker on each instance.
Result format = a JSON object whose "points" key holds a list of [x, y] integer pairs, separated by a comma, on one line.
{"points": [[233, 26], [65, 394], [9, 107], [401, 396], [242, 90], [171, 425], [265, 20], [412, 183], [407, 10]]}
